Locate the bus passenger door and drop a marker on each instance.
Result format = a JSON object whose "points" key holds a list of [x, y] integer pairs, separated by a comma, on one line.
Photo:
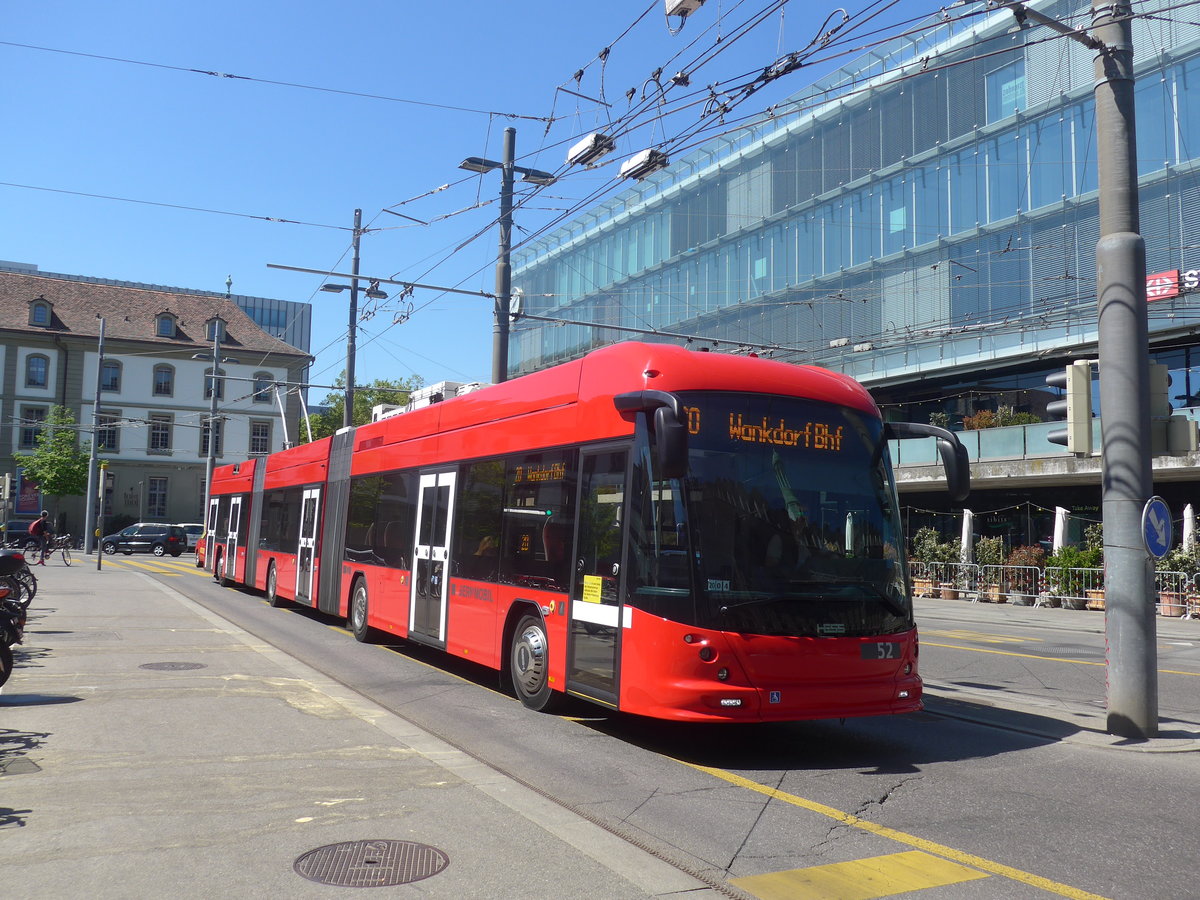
{"points": [[597, 587], [231, 538], [435, 507], [210, 534], [308, 544]]}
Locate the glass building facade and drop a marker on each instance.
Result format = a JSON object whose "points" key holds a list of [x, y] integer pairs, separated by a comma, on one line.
{"points": [[923, 219]]}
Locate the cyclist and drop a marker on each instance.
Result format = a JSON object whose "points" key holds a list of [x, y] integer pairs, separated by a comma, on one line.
{"points": [[40, 529]]}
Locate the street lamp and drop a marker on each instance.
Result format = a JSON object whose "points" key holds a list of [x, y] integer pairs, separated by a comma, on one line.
{"points": [[503, 266], [373, 293]]}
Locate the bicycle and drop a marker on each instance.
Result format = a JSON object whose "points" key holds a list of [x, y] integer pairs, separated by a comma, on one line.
{"points": [[61, 545]]}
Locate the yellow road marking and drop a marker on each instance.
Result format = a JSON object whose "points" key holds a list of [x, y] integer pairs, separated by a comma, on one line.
{"points": [[1078, 662], [860, 879], [966, 859], [986, 638]]}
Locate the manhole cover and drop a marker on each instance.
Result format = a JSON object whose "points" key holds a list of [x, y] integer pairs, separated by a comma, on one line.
{"points": [[371, 863], [172, 666]]}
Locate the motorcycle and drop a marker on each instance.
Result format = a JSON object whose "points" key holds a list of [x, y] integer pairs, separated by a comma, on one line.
{"points": [[12, 629], [17, 587], [16, 574]]}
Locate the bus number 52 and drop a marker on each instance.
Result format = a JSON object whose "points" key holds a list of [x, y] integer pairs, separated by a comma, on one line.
{"points": [[881, 650]]}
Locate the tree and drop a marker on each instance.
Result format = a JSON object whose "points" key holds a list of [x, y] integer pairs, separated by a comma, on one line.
{"points": [[381, 390], [59, 463]]}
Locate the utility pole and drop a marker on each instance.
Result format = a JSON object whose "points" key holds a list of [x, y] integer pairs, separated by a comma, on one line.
{"points": [[352, 328], [1124, 386], [91, 521], [500, 313], [504, 261], [1124, 352]]}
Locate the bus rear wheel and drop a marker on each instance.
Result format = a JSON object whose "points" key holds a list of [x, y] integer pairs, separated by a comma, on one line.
{"points": [[529, 665], [356, 619], [273, 597]]}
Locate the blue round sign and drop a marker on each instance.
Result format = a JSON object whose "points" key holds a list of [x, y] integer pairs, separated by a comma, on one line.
{"points": [[1156, 527]]}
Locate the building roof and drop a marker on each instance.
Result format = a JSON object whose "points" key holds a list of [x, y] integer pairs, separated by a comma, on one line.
{"points": [[131, 314]]}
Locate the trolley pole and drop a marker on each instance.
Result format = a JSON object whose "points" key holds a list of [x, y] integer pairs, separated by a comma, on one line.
{"points": [[1124, 386]]}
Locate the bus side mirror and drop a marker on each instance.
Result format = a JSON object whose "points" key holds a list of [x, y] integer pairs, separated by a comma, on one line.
{"points": [[670, 443], [954, 455]]}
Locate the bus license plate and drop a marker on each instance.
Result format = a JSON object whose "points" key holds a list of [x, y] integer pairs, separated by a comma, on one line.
{"points": [[881, 650]]}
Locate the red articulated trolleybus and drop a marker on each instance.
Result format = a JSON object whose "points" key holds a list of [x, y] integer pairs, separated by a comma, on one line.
{"points": [[671, 533]]}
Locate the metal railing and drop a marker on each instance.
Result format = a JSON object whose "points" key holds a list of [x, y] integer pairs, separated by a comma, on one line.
{"points": [[1177, 593]]}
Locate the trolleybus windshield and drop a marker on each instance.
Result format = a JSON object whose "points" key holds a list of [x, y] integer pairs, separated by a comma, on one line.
{"points": [[792, 517]]}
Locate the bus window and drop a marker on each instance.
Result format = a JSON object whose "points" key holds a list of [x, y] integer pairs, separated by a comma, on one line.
{"points": [[538, 520], [477, 521], [659, 575], [379, 521]]}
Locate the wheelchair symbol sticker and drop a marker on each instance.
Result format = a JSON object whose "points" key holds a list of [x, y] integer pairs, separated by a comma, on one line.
{"points": [[775, 697]]}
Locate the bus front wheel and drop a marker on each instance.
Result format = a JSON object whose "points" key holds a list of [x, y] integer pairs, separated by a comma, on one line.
{"points": [[529, 664]]}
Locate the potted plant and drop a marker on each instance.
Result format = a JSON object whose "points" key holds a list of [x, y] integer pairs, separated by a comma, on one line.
{"points": [[1069, 580], [931, 553], [989, 556], [1023, 574], [1177, 576]]}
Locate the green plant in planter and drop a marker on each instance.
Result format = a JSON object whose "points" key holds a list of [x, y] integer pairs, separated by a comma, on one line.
{"points": [[928, 547], [1180, 560], [989, 551], [1069, 580]]}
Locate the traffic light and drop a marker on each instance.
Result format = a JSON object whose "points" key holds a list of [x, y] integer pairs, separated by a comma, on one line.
{"points": [[1076, 407]]}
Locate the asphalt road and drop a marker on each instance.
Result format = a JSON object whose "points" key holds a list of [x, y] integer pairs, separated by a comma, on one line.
{"points": [[975, 797]]}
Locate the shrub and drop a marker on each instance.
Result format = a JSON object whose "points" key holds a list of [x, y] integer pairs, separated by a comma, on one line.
{"points": [[1026, 556], [985, 418], [928, 546], [1180, 560], [989, 551]]}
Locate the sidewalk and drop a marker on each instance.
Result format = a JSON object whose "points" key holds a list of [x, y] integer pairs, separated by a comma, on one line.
{"points": [[148, 748]]}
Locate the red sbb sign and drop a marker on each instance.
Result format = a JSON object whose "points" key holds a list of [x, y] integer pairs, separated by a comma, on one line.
{"points": [[1162, 285]]}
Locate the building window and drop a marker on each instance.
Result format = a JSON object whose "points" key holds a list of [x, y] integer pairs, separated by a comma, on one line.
{"points": [[32, 418], [108, 432], [110, 376], [1006, 91], [260, 438], [164, 381], [160, 433], [208, 384], [156, 498], [214, 329], [262, 387], [40, 313], [37, 371], [165, 325], [218, 441]]}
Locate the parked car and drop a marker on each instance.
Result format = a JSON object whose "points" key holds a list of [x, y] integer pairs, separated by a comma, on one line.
{"points": [[193, 533], [16, 532], [147, 537]]}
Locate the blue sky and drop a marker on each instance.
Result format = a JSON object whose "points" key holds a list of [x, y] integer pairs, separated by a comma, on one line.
{"points": [[211, 159]]}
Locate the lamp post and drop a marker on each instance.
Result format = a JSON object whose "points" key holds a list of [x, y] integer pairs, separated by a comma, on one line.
{"points": [[503, 265], [211, 458], [373, 293], [91, 520]]}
